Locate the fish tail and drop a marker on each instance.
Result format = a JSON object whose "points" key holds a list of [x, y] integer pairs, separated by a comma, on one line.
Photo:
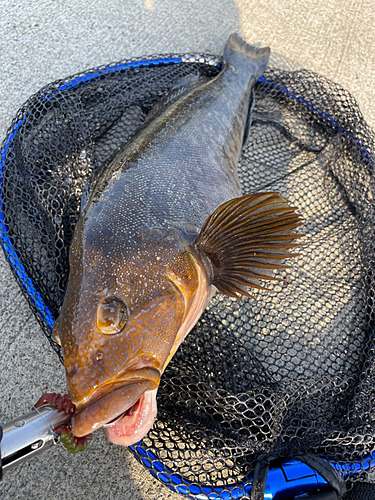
{"points": [[237, 52]]}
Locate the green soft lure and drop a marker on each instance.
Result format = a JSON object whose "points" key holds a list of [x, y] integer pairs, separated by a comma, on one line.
{"points": [[70, 442]]}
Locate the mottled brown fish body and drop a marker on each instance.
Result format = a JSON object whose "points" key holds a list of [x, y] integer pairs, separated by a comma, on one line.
{"points": [[142, 267]]}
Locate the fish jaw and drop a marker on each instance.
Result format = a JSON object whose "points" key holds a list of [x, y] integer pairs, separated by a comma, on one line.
{"points": [[133, 427], [114, 403]]}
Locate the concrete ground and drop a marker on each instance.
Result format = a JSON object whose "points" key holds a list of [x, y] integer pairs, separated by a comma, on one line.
{"points": [[43, 40]]}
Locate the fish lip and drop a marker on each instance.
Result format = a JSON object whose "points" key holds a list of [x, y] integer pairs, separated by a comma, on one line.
{"points": [[133, 377], [113, 404], [146, 374]]}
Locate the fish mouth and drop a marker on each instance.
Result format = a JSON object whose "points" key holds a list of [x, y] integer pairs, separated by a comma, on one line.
{"points": [[133, 426], [116, 405]]}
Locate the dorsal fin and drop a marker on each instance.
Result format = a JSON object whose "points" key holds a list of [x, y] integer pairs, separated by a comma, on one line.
{"points": [[182, 86], [247, 237]]}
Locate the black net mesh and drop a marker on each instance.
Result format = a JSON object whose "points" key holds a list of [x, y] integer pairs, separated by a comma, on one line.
{"points": [[363, 491], [292, 369]]}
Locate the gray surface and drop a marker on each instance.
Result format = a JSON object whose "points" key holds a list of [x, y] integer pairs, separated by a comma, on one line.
{"points": [[41, 41]]}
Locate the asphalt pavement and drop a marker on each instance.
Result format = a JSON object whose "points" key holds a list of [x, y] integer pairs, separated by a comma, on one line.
{"points": [[41, 41]]}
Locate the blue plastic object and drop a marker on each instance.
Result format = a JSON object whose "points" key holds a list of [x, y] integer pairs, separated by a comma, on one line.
{"points": [[292, 478]]}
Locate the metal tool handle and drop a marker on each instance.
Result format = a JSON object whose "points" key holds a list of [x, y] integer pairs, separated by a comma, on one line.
{"points": [[29, 435]]}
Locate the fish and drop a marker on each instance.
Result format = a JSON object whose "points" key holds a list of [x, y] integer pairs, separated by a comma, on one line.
{"points": [[161, 229]]}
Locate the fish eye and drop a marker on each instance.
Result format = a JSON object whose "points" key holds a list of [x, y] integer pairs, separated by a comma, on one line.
{"points": [[112, 315]]}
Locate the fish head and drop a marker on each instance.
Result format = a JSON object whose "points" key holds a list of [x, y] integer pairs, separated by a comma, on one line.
{"points": [[123, 318]]}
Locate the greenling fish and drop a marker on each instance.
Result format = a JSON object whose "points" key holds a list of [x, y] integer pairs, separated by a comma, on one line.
{"points": [[161, 229]]}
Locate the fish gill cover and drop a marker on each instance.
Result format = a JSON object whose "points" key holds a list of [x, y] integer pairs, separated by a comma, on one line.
{"points": [[292, 369]]}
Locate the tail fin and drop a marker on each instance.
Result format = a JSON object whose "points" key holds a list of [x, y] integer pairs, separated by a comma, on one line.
{"points": [[236, 47]]}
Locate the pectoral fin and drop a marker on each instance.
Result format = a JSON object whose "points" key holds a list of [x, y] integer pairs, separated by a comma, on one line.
{"points": [[247, 237]]}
